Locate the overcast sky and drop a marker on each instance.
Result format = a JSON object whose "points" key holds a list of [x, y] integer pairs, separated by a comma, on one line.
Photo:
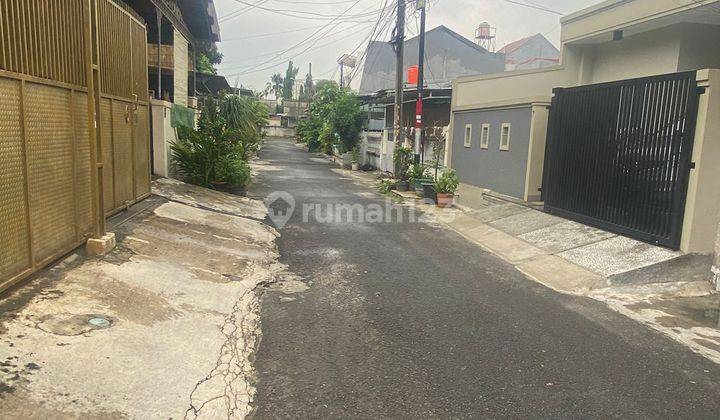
{"points": [[258, 42]]}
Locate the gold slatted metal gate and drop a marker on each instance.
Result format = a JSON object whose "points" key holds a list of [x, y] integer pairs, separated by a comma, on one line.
{"points": [[124, 122], [48, 193]]}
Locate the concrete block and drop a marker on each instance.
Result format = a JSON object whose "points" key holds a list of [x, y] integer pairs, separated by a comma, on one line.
{"points": [[618, 255], [561, 275], [526, 222], [503, 245], [564, 236], [100, 246]]}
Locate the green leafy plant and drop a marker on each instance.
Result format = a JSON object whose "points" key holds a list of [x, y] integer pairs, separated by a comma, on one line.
{"points": [[385, 186], [233, 170], [228, 132], [334, 119], [244, 117], [355, 154], [402, 158], [448, 182], [418, 172]]}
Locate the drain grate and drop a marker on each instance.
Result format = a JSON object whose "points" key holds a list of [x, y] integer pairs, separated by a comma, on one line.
{"points": [[99, 322]]}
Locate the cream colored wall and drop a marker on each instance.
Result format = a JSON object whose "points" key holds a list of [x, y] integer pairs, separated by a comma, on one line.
{"points": [[163, 137], [501, 88], [647, 54], [698, 49], [180, 72], [618, 14], [702, 209], [536, 151]]}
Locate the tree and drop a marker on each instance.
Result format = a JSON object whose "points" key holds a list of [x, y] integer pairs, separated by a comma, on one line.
{"points": [[308, 89], [207, 57], [289, 81], [277, 82], [334, 119]]}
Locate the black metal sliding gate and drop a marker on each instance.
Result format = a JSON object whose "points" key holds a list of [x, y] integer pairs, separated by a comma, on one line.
{"points": [[618, 155]]}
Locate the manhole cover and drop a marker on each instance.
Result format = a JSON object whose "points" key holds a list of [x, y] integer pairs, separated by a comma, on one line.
{"points": [[99, 322]]}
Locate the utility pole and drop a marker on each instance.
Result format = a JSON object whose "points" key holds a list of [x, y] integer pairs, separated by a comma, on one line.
{"points": [[420, 84], [399, 42], [342, 75]]}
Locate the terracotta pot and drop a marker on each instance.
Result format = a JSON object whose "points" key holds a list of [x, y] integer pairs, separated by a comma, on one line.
{"points": [[221, 186], [355, 166], [445, 200]]}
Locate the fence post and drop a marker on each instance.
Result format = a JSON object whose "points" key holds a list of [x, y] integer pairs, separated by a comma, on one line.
{"points": [[92, 72]]}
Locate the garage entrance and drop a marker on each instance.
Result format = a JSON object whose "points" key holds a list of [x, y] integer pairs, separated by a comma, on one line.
{"points": [[618, 155]]}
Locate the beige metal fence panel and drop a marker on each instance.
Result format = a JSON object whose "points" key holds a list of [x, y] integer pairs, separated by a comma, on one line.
{"points": [[114, 46], [108, 187], [14, 240], [44, 39], [142, 152], [122, 153], [124, 81], [46, 166], [52, 197], [83, 167], [139, 61]]}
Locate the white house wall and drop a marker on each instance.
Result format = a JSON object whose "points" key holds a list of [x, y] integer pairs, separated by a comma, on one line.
{"points": [[180, 72]]}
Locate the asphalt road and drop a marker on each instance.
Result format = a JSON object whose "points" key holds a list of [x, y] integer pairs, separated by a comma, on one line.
{"points": [[411, 320]]}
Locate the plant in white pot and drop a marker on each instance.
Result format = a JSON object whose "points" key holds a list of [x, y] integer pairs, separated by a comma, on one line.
{"points": [[355, 158], [446, 186]]}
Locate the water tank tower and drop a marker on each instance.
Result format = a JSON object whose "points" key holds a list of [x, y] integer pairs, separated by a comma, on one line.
{"points": [[485, 36]]}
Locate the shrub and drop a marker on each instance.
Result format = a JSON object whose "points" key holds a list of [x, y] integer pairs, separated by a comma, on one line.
{"points": [[402, 158], [334, 119], [233, 170], [385, 186], [418, 172], [448, 182], [229, 131]]}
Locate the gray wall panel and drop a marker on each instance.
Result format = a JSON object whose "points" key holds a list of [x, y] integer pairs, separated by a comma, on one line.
{"points": [[492, 168]]}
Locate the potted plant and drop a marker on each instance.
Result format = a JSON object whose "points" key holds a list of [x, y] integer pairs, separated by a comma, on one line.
{"points": [[402, 156], [355, 158], [446, 186], [417, 174]]}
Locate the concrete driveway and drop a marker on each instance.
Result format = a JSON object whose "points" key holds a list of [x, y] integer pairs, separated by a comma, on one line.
{"points": [[162, 327]]}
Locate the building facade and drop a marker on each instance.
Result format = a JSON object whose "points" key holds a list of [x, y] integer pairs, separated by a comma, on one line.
{"points": [[630, 51]]}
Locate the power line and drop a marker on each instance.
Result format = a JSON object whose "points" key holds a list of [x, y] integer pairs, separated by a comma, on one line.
{"points": [[241, 11], [277, 54], [310, 15], [310, 37], [535, 6], [271, 34]]}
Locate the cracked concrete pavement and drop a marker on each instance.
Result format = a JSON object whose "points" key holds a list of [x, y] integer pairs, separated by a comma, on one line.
{"points": [[180, 295]]}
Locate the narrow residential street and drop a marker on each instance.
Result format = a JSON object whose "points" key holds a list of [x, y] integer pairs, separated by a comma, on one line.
{"points": [[412, 320]]}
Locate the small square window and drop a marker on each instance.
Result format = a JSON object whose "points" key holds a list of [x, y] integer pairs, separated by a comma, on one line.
{"points": [[468, 135], [505, 137], [485, 136]]}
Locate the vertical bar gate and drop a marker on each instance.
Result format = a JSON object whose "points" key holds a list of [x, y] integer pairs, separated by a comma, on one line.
{"points": [[618, 155]]}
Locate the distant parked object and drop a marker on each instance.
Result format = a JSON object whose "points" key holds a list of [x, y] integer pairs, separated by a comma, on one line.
{"points": [[533, 52]]}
